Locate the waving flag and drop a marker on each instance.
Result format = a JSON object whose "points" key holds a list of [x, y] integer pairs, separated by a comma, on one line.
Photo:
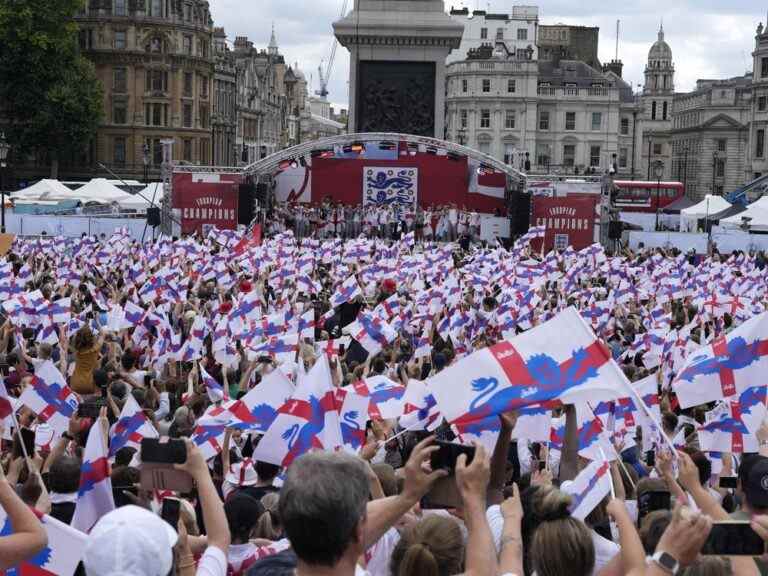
{"points": [[385, 395], [256, 410], [6, 410], [371, 332], [348, 290], [131, 427], [284, 347], [134, 314], [209, 438], [420, 411], [560, 359], [589, 488], [353, 417], [94, 496], [53, 403], [59, 558], [726, 367], [308, 420], [307, 325], [216, 392], [725, 431], [534, 423]]}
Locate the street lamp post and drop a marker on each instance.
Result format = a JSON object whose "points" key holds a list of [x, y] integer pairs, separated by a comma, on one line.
{"points": [[658, 171], [4, 149], [715, 158], [145, 159]]}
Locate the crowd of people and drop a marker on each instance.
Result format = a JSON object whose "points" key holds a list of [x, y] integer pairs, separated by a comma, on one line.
{"points": [[337, 220], [299, 372]]}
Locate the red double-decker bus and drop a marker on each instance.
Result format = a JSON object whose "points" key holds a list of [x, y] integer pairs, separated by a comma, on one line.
{"points": [[638, 196]]}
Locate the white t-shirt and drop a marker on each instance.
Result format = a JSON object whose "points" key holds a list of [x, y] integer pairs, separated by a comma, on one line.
{"points": [[212, 563]]}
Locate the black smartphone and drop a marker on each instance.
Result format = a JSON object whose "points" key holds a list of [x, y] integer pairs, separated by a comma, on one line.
{"points": [[733, 539], [650, 458], [265, 359], [170, 511], [542, 465], [445, 457], [163, 451], [729, 482], [26, 437], [652, 500], [90, 408]]}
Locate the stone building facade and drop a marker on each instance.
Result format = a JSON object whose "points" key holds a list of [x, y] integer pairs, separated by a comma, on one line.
{"points": [[225, 102], [155, 60]]}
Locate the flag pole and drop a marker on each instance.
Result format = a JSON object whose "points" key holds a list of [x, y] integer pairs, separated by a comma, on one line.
{"points": [[411, 427], [605, 459]]}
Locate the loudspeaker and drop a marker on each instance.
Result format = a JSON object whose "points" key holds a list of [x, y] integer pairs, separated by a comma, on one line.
{"points": [[245, 204], [521, 212], [615, 229], [153, 216]]}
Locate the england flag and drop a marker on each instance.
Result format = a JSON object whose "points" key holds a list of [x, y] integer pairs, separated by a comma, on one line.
{"points": [[94, 496], [589, 488]]}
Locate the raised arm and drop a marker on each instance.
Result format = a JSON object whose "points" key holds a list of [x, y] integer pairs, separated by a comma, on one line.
{"points": [[28, 536]]}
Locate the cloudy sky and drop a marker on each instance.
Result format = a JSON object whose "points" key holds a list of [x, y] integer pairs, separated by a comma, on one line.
{"points": [[709, 38]]}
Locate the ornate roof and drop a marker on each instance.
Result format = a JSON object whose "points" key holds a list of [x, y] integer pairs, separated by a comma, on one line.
{"points": [[660, 49]]}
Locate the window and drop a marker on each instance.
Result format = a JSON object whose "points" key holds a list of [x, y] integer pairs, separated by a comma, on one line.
{"points": [[544, 120], [485, 118], [483, 33], [764, 67], [85, 38], [155, 45], [509, 120], [463, 119], [623, 157], [657, 149], [188, 83], [653, 110], [509, 154], [187, 45], [120, 80], [156, 151], [120, 8], [761, 103], [486, 85], [570, 120], [522, 34], [157, 80], [204, 116], [511, 86], [720, 168], [187, 116], [156, 114], [186, 150], [594, 156], [543, 155], [760, 144], [569, 155], [722, 145], [665, 109], [119, 113], [499, 33], [464, 86], [156, 8], [204, 87], [624, 126], [485, 147], [119, 39], [597, 120], [118, 151]]}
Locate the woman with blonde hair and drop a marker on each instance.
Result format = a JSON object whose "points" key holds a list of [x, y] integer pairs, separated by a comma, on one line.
{"points": [[87, 355]]}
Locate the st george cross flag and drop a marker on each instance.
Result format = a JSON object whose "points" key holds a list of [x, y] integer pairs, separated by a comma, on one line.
{"points": [[61, 555], [209, 438], [589, 488], [308, 420], [258, 408], [131, 427], [348, 290], [53, 403], [216, 392], [385, 395], [726, 367], [561, 359], [94, 496], [371, 332], [725, 431]]}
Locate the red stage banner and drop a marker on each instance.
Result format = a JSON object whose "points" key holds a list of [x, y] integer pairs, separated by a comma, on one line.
{"points": [[569, 220], [206, 199]]}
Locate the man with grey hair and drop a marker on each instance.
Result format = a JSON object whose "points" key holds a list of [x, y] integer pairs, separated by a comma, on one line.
{"points": [[325, 508]]}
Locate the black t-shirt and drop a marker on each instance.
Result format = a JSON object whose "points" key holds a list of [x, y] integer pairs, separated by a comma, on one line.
{"points": [[255, 492]]}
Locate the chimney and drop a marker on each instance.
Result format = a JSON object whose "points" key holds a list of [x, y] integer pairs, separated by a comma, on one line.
{"points": [[615, 66]]}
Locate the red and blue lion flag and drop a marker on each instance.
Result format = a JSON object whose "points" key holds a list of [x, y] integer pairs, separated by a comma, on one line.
{"points": [[561, 359], [59, 558], [727, 366], [309, 420], [94, 496]]}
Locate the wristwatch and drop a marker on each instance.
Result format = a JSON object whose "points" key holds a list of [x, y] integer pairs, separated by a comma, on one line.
{"points": [[666, 562]]}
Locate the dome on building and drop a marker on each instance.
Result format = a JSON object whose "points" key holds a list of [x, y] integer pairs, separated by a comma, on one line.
{"points": [[660, 49]]}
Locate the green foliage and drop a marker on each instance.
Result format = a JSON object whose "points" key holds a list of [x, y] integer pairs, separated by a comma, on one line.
{"points": [[50, 96]]}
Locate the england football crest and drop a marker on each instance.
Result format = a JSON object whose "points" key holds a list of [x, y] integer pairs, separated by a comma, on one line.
{"points": [[396, 187]]}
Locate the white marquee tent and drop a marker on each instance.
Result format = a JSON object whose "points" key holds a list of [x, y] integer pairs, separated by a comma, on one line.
{"points": [[144, 199], [99, 190], [709, 206], [45, 189], [757, 212]]}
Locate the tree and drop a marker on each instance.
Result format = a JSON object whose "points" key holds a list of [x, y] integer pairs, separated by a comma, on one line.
{"points": [[50, 97]]}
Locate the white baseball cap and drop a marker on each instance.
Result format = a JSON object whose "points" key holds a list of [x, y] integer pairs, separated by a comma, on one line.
{"points": [[130, 541]]}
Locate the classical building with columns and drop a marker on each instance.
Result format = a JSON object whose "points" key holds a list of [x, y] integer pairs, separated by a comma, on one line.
{"points": [[155, 60]]}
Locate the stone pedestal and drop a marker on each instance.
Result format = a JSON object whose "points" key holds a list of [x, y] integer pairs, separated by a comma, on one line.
{"points": [[397, 65]]}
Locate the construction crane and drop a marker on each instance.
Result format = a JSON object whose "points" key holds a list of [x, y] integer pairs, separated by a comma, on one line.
{"points": [[325, 76]]}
